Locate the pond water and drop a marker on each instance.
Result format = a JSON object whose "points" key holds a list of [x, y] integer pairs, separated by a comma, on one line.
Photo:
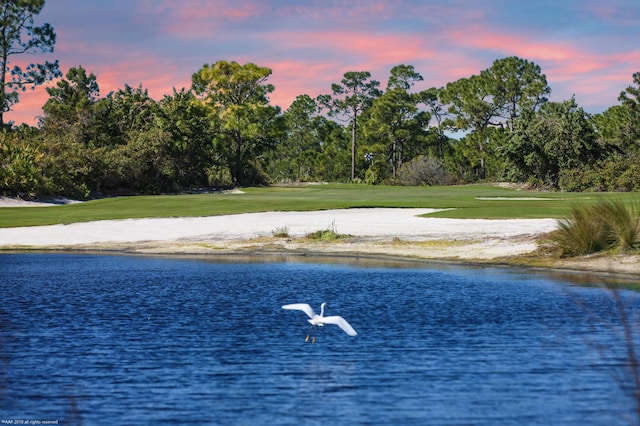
{"points": [[99, 339]]}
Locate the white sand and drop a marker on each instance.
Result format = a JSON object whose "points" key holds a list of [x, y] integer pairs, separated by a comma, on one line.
{"points": [[377, 224]]}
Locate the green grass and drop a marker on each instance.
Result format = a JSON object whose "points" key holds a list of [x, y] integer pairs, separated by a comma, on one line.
{"points": [[464, 199]]}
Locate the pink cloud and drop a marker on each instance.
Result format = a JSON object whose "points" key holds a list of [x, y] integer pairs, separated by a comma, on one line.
{"points": [[339, 13], [200, 18], [566, 64], [132, 68], [310, 45], [488, 39], [599, 87], [30, 102], [28, 108], [292, 78], [198, 10], [364, 51], [619, 13]]}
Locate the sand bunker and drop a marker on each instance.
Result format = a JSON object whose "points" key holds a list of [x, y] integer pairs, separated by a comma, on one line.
{"points": [[371, 225]]}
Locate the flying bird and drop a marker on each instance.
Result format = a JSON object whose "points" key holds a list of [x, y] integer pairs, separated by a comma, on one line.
{"points": [[321, 320]]}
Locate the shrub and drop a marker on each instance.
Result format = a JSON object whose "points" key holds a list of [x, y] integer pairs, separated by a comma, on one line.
{"points": [[629, 179], [579, 179], [614, 174], [604, 226], [423, 170], [328, 234], [20, 169], [219, 176]]}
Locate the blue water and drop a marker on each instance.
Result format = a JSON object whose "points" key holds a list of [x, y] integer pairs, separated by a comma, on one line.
{"points": [[96, 339]]}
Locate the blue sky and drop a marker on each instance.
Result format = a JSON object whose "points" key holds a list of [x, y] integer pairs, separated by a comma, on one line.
{"points": [[585, 47]]}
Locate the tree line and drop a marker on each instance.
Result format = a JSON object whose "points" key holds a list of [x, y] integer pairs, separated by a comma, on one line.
{"points": [[223, 130]]}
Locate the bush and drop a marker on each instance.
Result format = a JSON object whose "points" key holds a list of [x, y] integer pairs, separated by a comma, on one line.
{"points": [[20, 172], [219, 176], [605, 226], [614, 174], [580, 179], [423, 170], [329, 234], [629, 179]]}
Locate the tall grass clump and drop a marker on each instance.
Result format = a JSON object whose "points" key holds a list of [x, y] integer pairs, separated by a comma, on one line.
{"points": [[579, 234], [608, 225], [622, 224], [328, 234], [281, 232]]}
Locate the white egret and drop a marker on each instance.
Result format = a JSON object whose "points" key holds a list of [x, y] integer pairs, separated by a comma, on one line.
{"points": [[321, 320]]}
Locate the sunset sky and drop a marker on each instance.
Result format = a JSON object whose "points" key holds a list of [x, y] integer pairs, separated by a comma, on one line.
{"points": [[589, 48]]}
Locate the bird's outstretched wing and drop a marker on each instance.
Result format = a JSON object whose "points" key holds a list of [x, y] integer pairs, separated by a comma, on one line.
{"points": [[301, 307], [342, 323]]}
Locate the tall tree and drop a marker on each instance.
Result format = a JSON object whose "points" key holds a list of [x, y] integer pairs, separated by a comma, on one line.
{"points": [[299, 150], [616, 126], [495, 98], [631, 95], [630, 99], [19, 35], [395, 118], [69, 109], [497, 95], [131, 108], [355, 93], [403, 77], [557, 137], [515, 85], [441, 119], [245, 124], [69, 128], [184, 117], [332, 163]]}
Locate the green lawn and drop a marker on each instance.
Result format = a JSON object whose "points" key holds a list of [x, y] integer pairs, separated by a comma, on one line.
{"points": [[471, 201]]}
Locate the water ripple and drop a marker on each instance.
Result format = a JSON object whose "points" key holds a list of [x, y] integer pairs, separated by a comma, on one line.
{"points": [[108, 339]]}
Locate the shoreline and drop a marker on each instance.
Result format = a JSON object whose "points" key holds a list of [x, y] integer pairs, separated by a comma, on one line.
{"points": [[373, 233], [626, 267]]}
